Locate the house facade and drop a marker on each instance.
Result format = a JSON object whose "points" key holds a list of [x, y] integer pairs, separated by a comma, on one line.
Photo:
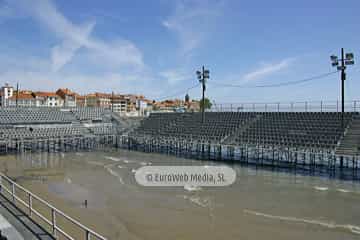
{"points": [[22, 99], [47, 99], [67, 97]]}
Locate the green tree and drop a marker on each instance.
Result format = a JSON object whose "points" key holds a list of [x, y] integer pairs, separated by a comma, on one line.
{"points": [[207, 104]]}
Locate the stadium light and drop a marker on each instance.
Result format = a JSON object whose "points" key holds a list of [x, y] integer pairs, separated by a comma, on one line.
{"points": [[206, 74], [202, 76], [349, 56]]}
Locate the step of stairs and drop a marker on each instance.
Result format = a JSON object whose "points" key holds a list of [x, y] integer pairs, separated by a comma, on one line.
{"points": [[350, 144]]}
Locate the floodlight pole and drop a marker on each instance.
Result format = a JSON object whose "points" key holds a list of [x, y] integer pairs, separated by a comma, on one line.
{"points": [[343, 77], [345, 60], [203, 95]]}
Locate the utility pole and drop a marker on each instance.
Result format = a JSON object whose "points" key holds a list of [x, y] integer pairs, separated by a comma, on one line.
{"points": [[203, 76]]}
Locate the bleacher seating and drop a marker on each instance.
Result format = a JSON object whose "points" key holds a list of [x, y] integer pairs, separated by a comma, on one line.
{"points": [[103, 130], [28, 123], [40, 132], [216, 126], [290, 129], [312, 130], [34, 115], [90, 113]]}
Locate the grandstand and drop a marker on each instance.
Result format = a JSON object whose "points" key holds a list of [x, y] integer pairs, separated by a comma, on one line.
{"points": [[308, 130], [30, 126], [329, 131], [271, 133]]}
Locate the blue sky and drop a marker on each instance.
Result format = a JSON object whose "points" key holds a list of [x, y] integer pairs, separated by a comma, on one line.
{"points": [[154, 47]]}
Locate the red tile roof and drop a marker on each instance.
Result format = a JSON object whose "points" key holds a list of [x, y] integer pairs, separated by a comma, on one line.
{"points": [[22, 96], [45, 94]]}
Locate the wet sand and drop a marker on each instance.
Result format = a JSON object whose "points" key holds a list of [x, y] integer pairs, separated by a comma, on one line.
{"points": [[259, 205]]}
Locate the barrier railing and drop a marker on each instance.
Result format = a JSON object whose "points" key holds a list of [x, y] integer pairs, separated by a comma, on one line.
{"points": [[306, 106], [13, 191]]}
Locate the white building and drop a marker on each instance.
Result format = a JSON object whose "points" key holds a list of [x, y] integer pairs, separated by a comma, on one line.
{"points": [[47, 99], [22, 100], [7, 91], [67, 97]]}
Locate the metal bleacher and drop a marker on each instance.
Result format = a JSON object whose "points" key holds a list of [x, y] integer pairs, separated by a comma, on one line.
{"points": [[91, 113], [189, 125], [31, 123], [298, 129], [34, 115], [321, 130]]}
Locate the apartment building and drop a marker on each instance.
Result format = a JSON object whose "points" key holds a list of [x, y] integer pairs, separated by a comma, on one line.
{"points": [[22, 99], [98, 100], [67, 97]]}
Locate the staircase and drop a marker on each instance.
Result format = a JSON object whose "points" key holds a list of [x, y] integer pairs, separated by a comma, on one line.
{"points": [[231, 138], [126, 124], [350, 143]]}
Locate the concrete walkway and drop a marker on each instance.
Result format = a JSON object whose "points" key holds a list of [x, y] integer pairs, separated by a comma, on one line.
{"points": [[16, 225], [8, 230]]}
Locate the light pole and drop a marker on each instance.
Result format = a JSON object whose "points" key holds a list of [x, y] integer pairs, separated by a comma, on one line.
{"points": [[203, 76], [348, 59]]}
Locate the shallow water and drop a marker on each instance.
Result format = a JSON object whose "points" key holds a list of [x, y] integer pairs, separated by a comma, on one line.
{"points": [[261, 204]]}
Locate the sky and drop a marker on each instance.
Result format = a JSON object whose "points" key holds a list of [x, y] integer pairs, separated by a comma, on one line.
{"points": [[155, 47]]}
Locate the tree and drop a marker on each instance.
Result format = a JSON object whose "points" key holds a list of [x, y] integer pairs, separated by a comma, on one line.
{"points": [[187, 98], [208, 104]]}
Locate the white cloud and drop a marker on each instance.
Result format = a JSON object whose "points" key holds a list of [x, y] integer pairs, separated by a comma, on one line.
{"points": [[174, 76], [268, 69], [74, 37], [77, 81], [191, 22]]}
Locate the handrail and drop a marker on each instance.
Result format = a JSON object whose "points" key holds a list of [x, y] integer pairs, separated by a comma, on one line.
{"points": [[54, 211]]}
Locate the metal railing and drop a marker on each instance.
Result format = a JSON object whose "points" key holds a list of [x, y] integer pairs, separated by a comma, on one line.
{"points": [[13, 190], [306, 106]]}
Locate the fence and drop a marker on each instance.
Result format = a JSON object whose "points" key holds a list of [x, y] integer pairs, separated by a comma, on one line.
{"points": [[17, 194], [303, 160], [307, 106]]}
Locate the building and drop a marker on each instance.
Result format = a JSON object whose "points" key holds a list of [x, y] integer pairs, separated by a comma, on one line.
{"points": [[129, 105], [7, 91], [193, 106], [169, 105], [98, 100], [67, 97], [80, 101], [47, 99], [119, 104], [144, 106], [124, 104], [23, 99]]}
